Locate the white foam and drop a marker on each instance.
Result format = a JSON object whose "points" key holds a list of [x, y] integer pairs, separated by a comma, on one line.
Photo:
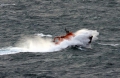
{"points": [[109, 44], [43, 35], [39, 43], [6, 4]]}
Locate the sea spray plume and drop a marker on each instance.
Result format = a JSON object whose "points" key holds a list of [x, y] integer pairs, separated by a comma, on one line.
{"points": [[86, 32], [39, 44], [83, 37], [44, 43], [35, 44]]}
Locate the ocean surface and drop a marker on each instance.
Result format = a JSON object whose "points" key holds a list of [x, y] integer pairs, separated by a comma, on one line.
{"points": [[24, 19]]}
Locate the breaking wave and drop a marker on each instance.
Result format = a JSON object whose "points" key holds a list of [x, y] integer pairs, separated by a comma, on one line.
{"points": [[44, 43]]}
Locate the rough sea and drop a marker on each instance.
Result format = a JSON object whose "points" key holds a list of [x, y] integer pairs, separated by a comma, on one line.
{"points": [[24, 54]]}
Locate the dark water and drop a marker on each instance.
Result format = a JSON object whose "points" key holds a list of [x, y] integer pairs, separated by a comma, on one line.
{"points": [[27, 17]]}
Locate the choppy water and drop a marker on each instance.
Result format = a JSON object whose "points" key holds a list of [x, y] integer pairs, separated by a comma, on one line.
{"points": [[21, 18]]}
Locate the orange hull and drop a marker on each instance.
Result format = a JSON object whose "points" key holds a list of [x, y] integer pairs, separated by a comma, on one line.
{"points": [[58, 40]]}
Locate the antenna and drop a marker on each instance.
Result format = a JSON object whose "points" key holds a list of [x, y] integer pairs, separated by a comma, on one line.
{"points": [[67, 31]]}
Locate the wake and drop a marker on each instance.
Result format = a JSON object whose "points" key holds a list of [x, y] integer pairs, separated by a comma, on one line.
{"points": [[44, 43]]}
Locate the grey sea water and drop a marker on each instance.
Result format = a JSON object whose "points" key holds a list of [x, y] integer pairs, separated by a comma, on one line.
{"points": [[20, 18]]}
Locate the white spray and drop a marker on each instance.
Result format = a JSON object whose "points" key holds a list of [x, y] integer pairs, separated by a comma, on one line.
{"points": [[44, 43]]}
